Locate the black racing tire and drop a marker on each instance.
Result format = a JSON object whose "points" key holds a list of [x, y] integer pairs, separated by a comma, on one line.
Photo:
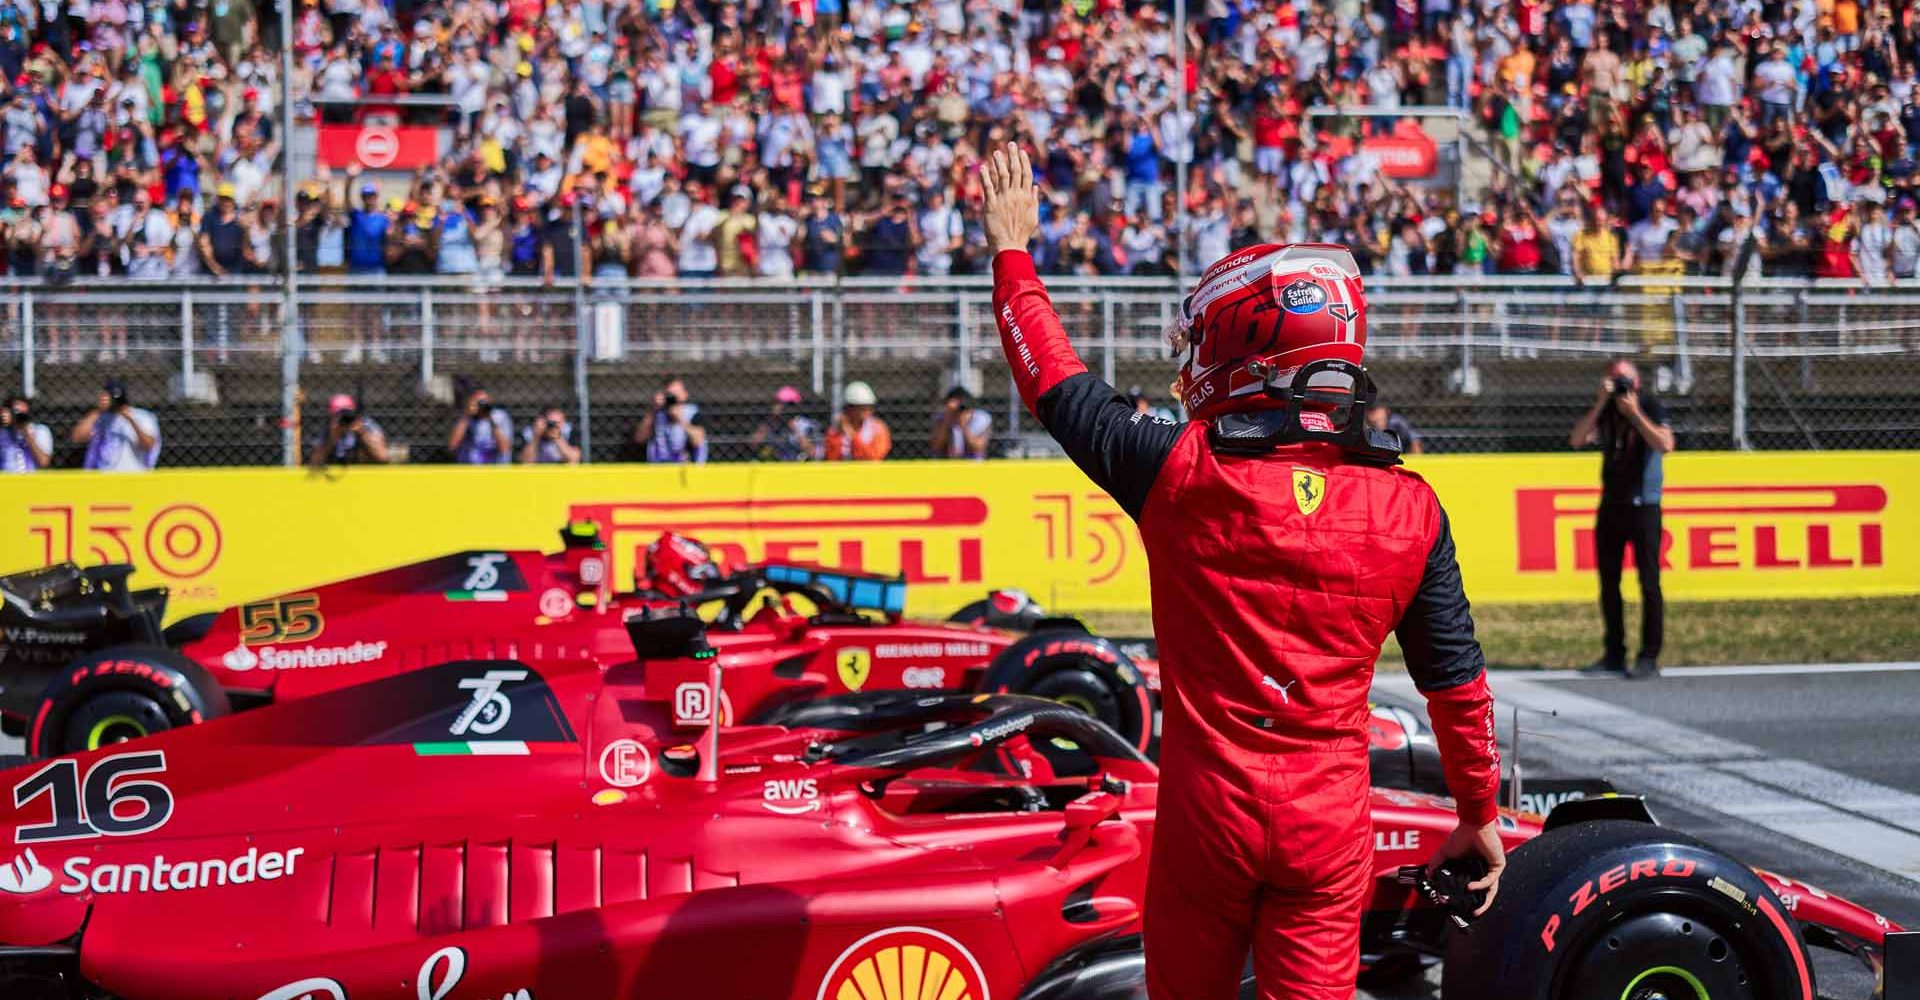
{"points": [[120, 694], [1622, 910], [1085, 671]]}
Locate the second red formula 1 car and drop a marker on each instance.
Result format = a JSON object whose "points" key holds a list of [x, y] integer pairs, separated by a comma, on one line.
{"points": [[369, 843], [107, 672]]}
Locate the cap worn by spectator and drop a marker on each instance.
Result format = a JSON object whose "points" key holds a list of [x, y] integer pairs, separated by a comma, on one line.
{"points": [[860, 394], [787, 394]]}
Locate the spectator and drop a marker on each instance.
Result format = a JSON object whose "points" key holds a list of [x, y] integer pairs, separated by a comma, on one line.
{"points": [[823, 240], [223, 237], [890, 239], [484, 433], [25, 446], [1873, 250], [1381, 417], [734, 239], [671, 431], [784, 434], [1650, 241], [962, 430], [1596, 250], [351, 437], [119, 436], [549, 440], [366, 235], [1903, 254], [858, 434], [775, 235]]}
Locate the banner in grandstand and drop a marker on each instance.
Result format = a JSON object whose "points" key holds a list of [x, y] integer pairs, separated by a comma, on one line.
{"points": [[1755, 525], [1405, 155], [380, 147]]}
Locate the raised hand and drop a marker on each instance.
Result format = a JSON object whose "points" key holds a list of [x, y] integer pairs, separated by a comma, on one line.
{"points": [[1009, 201]]}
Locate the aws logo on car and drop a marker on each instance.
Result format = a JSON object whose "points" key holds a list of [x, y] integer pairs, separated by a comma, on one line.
{"points": [[905, 963]]}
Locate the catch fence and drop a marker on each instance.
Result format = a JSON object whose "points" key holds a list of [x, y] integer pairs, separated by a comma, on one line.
{"points": [[1488, 364]]}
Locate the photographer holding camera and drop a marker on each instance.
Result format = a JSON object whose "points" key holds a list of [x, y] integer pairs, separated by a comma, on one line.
{"points": [[352, 437], [1630, 427], [24, 445], [550, 440], [119, 436], [671, 431], [484, 433]]}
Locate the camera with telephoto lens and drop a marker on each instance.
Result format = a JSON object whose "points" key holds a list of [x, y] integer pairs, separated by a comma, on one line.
{"points": [[116, 396], [483, 408], [346, 417], [669, 401], [1621, 385]]}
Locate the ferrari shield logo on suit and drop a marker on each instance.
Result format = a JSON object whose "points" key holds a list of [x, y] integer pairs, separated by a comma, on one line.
{"points": [[1309, 488]]}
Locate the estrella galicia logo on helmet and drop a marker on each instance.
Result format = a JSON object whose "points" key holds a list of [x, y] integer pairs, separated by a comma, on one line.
{"points": [[1303, 297]]}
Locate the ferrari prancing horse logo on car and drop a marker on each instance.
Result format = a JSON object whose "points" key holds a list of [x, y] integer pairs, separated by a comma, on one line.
{"points": [[905, 963], [853, 664], [1309, 488]]}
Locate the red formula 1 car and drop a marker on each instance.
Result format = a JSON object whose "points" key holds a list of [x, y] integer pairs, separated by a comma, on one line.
{"points": [[106, 672], [370, 843]]}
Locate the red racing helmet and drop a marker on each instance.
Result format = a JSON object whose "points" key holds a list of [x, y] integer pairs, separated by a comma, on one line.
{"points": [[678, 566], [1282, 305]]}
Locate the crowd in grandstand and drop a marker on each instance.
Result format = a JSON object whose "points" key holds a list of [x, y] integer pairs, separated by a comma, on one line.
{"points": [[842, 136]]}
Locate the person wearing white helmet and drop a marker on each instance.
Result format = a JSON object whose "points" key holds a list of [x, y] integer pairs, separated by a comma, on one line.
{"points": [[857, 434]]}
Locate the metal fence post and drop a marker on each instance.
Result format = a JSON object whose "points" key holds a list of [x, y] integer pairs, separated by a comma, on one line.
{"points": [[426, 336], [186, 338], [582, 343], [1107, 363], [1682, 358], [26, 345], [963, 315], [1803, 320], [1469, 383], [839, 359], [817, 319], [1739, 401]]}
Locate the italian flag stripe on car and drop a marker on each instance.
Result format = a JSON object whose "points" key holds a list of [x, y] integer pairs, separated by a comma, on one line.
{"points": [[473, 748]]}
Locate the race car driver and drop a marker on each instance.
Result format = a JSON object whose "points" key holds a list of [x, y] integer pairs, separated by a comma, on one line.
{"points": [[677, 566], [1283, 545]]}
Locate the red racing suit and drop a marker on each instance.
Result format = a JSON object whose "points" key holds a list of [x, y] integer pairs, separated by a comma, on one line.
{"points": [[1276, 577]]}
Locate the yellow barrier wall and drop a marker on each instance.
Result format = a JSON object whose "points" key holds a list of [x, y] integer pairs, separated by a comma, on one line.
{"points": [[1739, 525]]}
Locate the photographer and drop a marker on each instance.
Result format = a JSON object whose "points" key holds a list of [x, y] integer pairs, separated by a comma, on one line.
{"points": [[352, 437], [671, 431], [550, 440], [963, 430], [119, 436], [1631, 430], [785, 435], [484, 433], [24, 445]]}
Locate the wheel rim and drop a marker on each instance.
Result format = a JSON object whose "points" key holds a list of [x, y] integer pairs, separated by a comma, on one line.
{"points": [[114, 729], [1665, 982], [1079, 703], [1661, 955]]}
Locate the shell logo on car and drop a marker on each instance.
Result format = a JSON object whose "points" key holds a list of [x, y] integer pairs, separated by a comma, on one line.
{"points": [[905, 963]]}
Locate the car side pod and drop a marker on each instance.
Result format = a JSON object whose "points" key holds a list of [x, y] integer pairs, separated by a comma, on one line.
{"points": [[1901, 974]]}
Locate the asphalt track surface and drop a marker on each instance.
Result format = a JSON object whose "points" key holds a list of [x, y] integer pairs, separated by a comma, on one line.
{"points": [[1812, 772]]}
